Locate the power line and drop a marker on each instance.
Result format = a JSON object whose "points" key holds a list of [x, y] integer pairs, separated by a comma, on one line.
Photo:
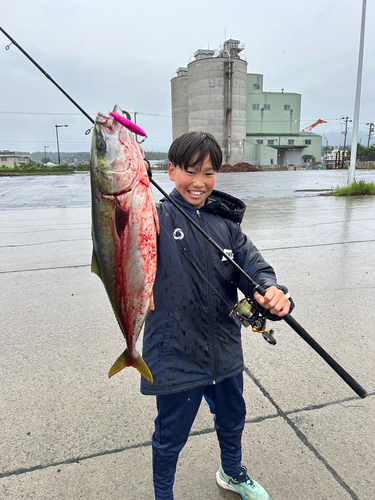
{"points": [[72, 114], [38, 113], [346, 120]]}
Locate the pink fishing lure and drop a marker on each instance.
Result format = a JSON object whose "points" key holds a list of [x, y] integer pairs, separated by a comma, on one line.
{"points": [[129, 125]]}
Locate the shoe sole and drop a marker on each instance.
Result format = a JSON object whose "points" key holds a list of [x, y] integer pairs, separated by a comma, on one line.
{"points": [[224, 484]]}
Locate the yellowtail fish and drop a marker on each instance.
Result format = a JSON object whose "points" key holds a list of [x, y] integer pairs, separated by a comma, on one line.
{"points": [[124, 231]]}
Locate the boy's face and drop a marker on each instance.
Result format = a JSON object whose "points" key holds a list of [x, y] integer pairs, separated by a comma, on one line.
{"points": [[194, 184]]}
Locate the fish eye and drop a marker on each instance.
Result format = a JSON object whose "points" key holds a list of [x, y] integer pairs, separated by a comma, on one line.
{"points": [[101, 145]]}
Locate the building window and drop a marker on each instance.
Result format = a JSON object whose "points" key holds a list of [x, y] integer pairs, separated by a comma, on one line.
{"points": [[256, 107], [267, 107], [286, 107], [290, 142], [3, 158], [271, 142], [256, 86], [308, 142], [259, 141]]}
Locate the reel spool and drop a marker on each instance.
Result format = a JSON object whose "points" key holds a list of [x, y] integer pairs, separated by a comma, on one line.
{"points": [[247, 313]]}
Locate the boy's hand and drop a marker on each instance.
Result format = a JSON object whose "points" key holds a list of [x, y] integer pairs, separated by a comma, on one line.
{"points": [[275, 301]]}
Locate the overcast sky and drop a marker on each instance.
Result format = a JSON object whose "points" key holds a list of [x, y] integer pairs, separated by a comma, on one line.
{"points": [[124, 52]]}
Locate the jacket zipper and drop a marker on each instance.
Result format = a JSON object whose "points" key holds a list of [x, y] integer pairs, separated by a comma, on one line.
{"points": [[210, 312]]}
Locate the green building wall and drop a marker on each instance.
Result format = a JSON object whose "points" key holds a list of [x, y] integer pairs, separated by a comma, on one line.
{"points": [[273, 128], [278, 149]]}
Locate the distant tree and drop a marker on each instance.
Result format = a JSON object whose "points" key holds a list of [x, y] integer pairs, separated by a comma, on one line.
{"points": [[45, 160], [152, 155], [363, 151]]}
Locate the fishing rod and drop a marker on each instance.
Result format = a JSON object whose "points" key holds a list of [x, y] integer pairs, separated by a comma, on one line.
{"points": [[357, 388], [352, 383], [46, 74]]}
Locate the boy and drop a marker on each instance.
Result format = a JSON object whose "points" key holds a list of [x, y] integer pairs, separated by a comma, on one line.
{"points": [[191, 344]]}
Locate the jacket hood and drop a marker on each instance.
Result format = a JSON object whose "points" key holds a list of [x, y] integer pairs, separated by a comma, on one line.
{"points": [[219, 203]]}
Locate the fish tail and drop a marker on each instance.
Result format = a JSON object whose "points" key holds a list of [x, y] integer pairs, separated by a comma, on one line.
{"points": [[131, 359]]}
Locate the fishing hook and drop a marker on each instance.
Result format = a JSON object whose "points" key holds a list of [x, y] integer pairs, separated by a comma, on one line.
{"points": [[127, 114]]}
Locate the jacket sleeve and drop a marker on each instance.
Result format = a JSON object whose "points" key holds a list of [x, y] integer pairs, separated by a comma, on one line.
{"points": [[252, 262]]}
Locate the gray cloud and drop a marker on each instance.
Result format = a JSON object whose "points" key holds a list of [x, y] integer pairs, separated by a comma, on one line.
{"points": [[104, 53]]}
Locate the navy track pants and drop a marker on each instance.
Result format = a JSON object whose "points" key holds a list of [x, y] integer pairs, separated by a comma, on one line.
{"points": [[176, 414]]}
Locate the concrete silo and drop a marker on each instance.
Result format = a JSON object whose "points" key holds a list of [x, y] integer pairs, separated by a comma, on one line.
{"points": [[217, 97], [180, 108]]}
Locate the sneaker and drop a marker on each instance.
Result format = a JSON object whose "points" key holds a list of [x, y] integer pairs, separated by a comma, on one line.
{"points": [[242, 484]]}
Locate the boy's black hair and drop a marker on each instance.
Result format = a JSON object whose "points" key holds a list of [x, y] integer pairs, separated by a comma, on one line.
{"points": [[192, 149]]}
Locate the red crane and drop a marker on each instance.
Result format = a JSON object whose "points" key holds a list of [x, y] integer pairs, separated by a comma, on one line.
{"points": [[308, 129]]}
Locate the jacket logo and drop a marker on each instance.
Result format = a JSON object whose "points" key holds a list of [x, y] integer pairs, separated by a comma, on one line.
{"points": [[178, 234], [229, 253]]}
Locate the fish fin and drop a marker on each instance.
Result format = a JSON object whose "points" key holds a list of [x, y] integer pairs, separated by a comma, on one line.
{"points": [[151, 307], [121, 219], [136, 360], [143, 368], [94, 265]]}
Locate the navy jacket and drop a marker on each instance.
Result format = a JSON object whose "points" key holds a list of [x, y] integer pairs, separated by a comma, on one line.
{"points": [[189, 339]]}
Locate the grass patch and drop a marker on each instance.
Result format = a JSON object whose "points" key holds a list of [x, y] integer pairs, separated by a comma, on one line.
{"points": [[17, 173], [82, 168], [360, 188], [32, 169]]}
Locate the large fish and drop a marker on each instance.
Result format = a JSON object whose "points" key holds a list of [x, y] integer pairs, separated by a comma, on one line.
{"points": [[124, 229]]}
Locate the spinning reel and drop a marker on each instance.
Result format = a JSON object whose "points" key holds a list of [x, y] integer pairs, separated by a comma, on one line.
{"points": [[249, 315]]}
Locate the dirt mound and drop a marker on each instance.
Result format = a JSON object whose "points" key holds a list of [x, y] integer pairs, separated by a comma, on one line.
{"points": [[239, 167]]}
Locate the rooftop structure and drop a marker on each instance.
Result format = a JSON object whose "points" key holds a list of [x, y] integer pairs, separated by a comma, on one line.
{"points": [[13, 159]]}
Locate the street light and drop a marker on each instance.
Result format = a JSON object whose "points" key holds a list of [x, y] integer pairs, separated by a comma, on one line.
{"points": [[353, 153], [57, 139]]}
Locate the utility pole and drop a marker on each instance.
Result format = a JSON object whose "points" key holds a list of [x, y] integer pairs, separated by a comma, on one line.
{"points": [[325, 150], [57, 140], [45, 154], [346, 120], [371, 129]]}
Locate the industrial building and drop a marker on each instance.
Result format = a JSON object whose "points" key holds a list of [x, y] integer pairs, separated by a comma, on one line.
{"points": [[215, 94]]}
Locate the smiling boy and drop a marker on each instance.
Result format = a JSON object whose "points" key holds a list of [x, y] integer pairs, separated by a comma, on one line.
{"points": [[191, 344], [194, 184]]}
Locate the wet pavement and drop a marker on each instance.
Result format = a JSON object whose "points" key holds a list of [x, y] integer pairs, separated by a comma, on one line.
{"points": [[69, 432]]}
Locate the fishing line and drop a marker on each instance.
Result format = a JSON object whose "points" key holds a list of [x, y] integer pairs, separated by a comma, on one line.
{"points": [[244, 312], [39, 83], [66, 113], [47, 75], [196, 267], [256, 287]]}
